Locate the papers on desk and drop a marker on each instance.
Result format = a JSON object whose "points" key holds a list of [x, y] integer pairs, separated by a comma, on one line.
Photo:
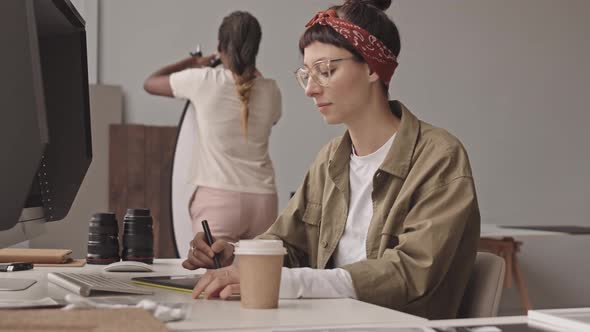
{"points": [[161, 311], [568, 229], [575, 319], [48, 302]]}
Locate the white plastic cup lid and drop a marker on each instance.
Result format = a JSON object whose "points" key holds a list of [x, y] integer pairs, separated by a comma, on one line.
{"points": [[260, 247]]}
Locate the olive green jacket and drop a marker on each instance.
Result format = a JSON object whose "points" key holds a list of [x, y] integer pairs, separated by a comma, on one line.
{"points": [[422, 239]]}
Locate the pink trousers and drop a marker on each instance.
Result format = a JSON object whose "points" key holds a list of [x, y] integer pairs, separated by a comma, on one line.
{"points": [[232, 215]]}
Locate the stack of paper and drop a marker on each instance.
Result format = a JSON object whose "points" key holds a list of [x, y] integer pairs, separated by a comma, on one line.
{"points": [[576, 319]]}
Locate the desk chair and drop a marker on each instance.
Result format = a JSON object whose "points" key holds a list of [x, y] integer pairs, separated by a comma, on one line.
{"points": [[484, 290]]}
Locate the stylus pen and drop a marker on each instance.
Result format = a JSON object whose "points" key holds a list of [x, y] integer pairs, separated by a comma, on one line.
{"points": [[209, 239]]}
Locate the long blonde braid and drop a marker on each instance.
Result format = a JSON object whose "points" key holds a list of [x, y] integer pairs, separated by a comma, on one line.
{"points": [[244, 85]]}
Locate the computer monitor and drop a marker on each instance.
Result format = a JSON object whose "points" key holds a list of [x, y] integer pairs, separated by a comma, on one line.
{"points": [[45, 140]]}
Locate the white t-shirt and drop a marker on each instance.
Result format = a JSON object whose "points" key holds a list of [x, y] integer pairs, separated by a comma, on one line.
{"points": [[222, 157], [337, 283], [352, 245]]}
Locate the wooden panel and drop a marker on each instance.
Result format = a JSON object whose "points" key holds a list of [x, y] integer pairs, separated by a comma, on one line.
{"points": [[152, 181], [140, 175], [118, 174], [136, 167]]}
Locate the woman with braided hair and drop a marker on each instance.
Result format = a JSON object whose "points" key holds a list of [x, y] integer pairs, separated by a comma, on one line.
{"points": [[387, 213], [235, 109]]}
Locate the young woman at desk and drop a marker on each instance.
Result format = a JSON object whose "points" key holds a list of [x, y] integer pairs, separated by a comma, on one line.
{"points": [[387, 213], [235, 110]]}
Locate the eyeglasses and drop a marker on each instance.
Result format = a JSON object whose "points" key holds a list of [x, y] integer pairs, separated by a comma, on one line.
{"points": [[320, 72]]}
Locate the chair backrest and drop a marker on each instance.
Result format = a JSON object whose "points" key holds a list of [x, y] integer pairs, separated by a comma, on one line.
{"points": [[484, 291]]}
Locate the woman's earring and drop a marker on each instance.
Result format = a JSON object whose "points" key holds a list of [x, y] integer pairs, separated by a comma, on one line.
{"points": [[373, 76]]}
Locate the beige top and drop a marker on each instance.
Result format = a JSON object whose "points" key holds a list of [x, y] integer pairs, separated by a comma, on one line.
{"points": [[223, 158]]}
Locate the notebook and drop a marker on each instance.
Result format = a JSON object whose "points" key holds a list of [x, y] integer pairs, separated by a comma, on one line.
{"points": [[35, 256]]}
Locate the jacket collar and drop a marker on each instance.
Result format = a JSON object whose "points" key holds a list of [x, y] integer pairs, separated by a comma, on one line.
{"points": [[397, 161], [399, 158]]}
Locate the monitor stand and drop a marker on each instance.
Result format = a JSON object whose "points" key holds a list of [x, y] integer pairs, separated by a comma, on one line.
{"points": [[12, 284]]}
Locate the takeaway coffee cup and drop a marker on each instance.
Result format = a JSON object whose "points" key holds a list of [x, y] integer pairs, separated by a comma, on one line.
{"points": [[260, 263]]}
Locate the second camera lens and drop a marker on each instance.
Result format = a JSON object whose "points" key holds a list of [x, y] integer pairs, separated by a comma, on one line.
{"points": [[138, 236]]}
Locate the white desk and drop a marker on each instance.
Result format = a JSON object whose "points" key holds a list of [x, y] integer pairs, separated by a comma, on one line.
{"points": [[495, 231], [226, 315]]}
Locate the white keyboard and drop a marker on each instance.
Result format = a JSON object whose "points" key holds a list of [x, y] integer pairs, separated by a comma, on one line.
{"points": [[86, 284]]}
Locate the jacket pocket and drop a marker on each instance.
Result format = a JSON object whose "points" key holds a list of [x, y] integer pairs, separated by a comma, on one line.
{"points": [[312, 218], [313, 214]]}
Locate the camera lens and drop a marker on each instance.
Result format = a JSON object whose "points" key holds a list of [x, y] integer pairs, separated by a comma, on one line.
{"points": [[138, 236], [103, 239]]}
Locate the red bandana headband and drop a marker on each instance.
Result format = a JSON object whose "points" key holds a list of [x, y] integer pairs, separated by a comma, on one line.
{"points": [[376, 54]]}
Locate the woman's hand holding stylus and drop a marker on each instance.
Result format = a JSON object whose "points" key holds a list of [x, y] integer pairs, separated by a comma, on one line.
{"points": [[200, 254]]}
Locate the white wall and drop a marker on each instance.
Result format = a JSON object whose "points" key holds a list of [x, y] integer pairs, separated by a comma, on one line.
{"points": [[137, 37], [509, 78]]}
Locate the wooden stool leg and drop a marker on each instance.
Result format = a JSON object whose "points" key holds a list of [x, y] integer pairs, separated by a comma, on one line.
{"points": [[520, 283], [507, 248], [508, 264]]}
